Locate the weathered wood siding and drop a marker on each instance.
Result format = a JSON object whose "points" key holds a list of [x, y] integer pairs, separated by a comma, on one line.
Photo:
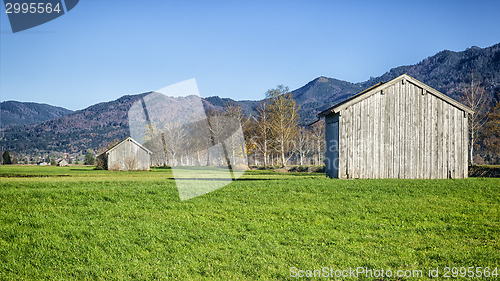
{"points": [[402, 131], [128, 156]]}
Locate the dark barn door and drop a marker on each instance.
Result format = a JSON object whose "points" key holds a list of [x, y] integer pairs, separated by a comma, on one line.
{"points": [[332, 150]]}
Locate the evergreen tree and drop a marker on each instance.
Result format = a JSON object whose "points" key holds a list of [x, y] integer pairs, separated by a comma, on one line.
{"points": [[6, 158], [89, 159]]}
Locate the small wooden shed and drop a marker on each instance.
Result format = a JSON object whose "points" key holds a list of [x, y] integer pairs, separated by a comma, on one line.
{"points": [[399, 129], [127, 155], [62, 163]]}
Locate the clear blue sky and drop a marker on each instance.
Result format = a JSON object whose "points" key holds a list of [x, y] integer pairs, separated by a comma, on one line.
{"points": [[102, 50]]}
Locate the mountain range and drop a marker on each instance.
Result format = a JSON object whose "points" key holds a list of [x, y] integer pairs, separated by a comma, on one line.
{"points": [[14, 113], [39, 128]]}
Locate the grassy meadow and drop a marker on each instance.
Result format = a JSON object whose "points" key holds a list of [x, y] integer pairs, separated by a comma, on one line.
{"points": [[74, 222]]}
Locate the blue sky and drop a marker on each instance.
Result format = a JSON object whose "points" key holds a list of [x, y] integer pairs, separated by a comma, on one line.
{"points": [[102, 50]]}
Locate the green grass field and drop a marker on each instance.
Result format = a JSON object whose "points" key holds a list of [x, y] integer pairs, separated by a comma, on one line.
{"points": [[77, 223]]}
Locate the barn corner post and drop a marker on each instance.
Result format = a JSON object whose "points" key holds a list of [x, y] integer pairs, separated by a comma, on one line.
{"points": [[471, 139], [468, 146]]}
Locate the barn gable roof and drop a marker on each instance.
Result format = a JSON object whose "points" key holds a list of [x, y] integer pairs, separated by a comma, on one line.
{"points": [[381, 86], [130, 140]]}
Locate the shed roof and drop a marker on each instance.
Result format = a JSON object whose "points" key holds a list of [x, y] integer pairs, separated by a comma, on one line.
{"points": [[131, 140], [381, 86]]}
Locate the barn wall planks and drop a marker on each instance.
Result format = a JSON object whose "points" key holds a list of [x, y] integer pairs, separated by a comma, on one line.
{"points": [[402, 131], [128, 156]]}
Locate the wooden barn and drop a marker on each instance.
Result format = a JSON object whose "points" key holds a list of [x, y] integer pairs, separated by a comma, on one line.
{"points": [[128, 155], [398, 129]]}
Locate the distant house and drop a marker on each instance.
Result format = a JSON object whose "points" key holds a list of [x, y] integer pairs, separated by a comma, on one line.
{"points": [[128, 155], [399, 129], [62, 163]]}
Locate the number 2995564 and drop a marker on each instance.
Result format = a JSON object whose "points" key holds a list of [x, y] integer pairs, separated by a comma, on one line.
{"points": [[32, 8]]}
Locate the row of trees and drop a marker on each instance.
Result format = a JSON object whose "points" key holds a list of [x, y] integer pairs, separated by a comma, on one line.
{"points": [[213, 141], [17, 158], [274, 136], [271, 136]]}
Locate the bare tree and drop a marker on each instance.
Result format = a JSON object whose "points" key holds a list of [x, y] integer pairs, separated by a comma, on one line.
{"points": [[250, 133], [302, 144], [199, 141], [318, 135], [284, 119], [172, 138], [263, 130], [152, 141], [236, 111], [236, 144], [221, 128], [167, 142], [475, 97]]}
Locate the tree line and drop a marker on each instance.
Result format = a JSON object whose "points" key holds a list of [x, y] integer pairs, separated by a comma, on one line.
{"points": [[271, 136], [274, 136]]}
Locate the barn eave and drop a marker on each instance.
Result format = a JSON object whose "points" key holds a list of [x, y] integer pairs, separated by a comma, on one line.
{"points": [[379, 88], [131, 140]]}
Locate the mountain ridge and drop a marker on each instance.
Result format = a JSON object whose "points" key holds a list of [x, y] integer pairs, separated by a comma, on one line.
{"points": [[13, 113]]}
